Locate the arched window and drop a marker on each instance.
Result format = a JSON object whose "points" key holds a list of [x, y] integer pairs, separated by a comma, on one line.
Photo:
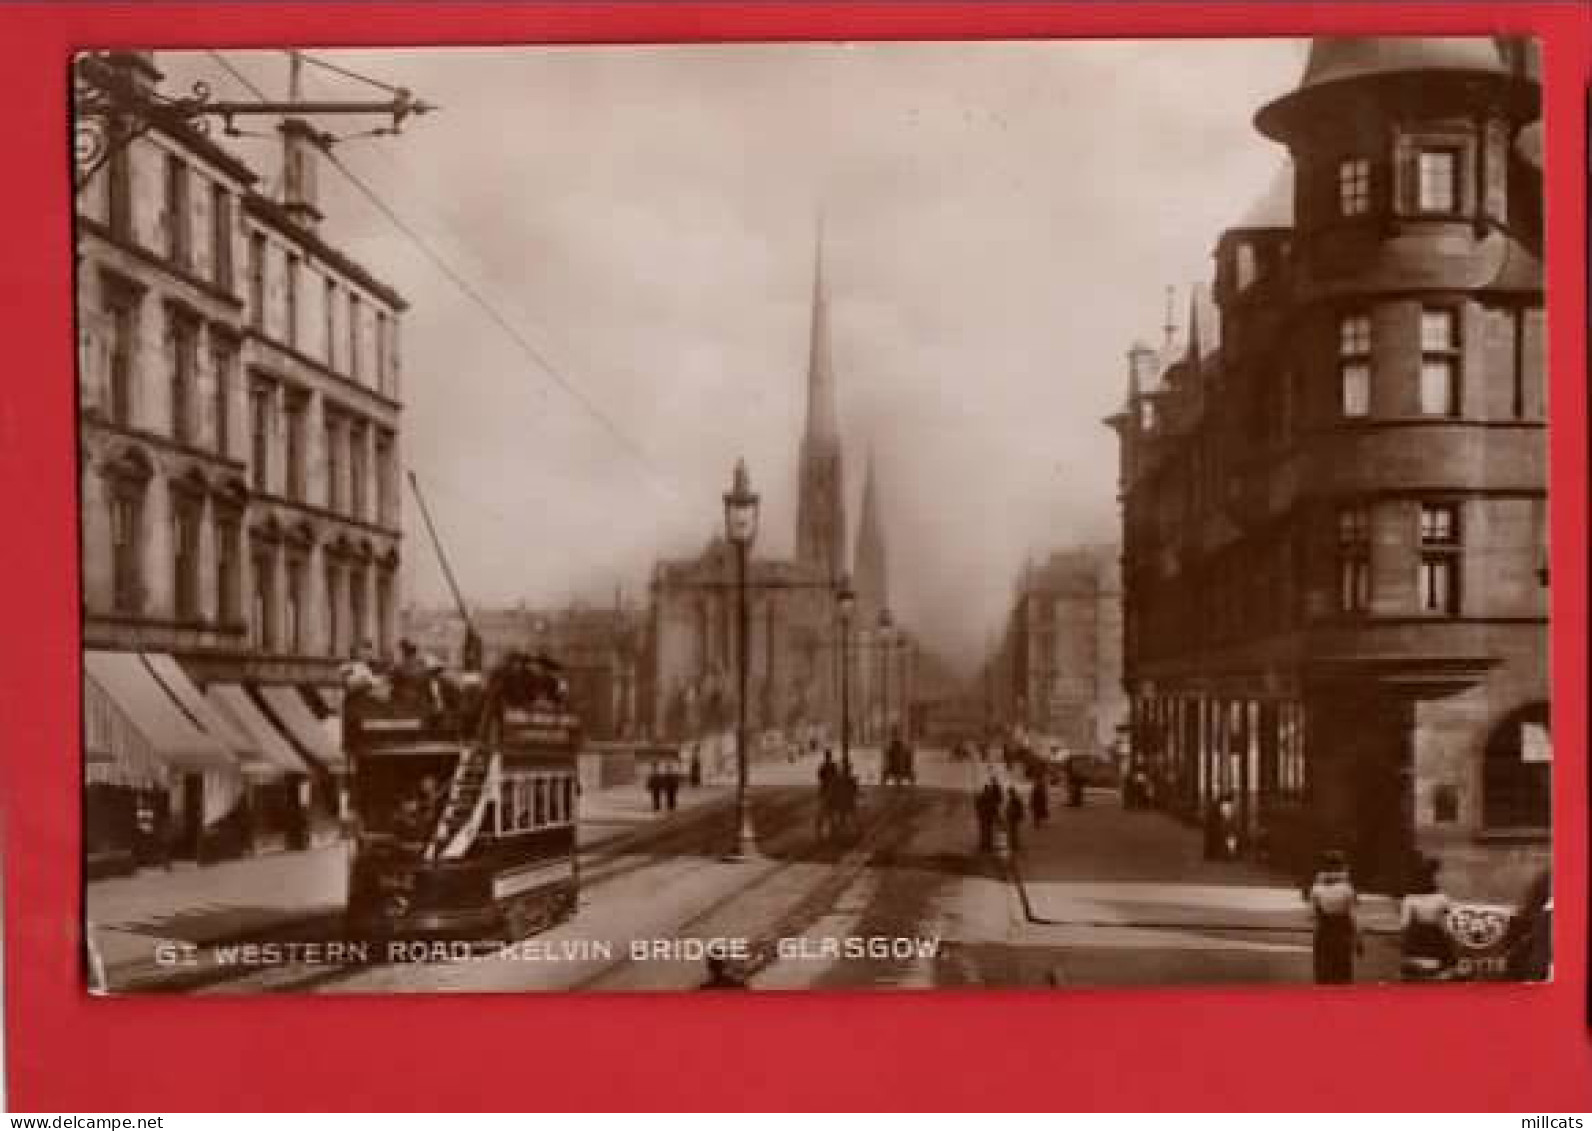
{"points": [[1517, 771]]}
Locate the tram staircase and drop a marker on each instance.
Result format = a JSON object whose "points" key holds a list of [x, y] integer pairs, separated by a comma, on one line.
{"points": [[472, 787]]}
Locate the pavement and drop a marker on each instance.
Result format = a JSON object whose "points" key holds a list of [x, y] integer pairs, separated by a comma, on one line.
{"points": [[140, 924]]}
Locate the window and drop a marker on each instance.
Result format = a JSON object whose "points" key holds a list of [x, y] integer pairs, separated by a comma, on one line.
{"points": [[358, 470], [353, 335], [121, 312], [184, 344], [229, 534], [260, 423], [358, 578], [1354, 365], [1440, 545], [1439, 363], [1354, 559], [1246, 265], [334, 462], [1354, 187], [293, 606], [528, 802], [262, 620], [185, 517], [329, 313], [221, 237], [126, 508], [334, 602], [384, 582], [223, 362], [290, 310], [1437, 180], [295, 412], [381, 350], [385, 481], [1517, 771], [257, 253], [119, 189], [179, 247]]}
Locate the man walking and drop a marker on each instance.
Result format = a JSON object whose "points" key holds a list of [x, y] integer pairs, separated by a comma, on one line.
{"points": [[987, 807]]}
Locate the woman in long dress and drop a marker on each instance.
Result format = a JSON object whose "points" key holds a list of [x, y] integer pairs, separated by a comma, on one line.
{"points": [[1332, 897], [1423, 927]]}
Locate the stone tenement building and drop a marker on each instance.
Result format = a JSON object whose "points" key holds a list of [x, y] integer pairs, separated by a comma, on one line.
{"points": [[1335, 525], [1061, 655], [794, 637], [238, 390]]}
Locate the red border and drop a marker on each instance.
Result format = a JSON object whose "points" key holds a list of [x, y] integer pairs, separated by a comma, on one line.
{"points": [[1486, 1047]]}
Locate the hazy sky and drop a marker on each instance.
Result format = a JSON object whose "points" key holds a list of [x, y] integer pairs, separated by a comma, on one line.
{"points": [[1001, 221]]}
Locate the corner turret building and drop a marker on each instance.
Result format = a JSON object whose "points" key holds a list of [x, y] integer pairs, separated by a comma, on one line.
{"points": [[1335, 515]]}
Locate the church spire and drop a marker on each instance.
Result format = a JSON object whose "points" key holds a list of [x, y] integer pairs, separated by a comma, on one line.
{"points": [[872, 566], [822, 419], [820, 505]]}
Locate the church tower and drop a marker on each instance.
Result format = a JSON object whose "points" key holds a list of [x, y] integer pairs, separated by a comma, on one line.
{"points": [[820, 505], [872, 568]]}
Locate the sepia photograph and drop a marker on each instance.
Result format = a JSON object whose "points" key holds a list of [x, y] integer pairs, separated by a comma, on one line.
{"points": [[813, 516]]}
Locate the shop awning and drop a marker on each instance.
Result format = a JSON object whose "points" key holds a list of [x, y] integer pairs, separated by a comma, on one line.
{"points": [[115, 752], [235, 703], [216, 722], [300, 722], [177, 737]]}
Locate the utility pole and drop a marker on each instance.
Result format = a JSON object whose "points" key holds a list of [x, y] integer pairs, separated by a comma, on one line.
{"points": [[115, 102]]}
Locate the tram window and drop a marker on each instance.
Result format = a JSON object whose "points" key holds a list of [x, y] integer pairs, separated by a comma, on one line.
{"points": [[555, 803], [569, 799], [541, 802], [522, 804]]}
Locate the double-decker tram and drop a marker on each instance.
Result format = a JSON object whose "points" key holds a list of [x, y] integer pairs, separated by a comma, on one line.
{"points": [[464, 789]]}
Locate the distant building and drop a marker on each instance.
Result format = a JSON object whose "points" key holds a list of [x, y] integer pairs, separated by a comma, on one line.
{"points": [[1335, 522], [599, 647], [239, 415], [1060, 662]]}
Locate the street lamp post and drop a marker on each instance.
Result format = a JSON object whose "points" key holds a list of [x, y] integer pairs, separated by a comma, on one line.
{"points": [[740, 527], [845, 601]]}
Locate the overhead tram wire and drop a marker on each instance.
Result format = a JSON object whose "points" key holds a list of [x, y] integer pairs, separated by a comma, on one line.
{"points": [[537, 358], [259, 95], [347, 74], [469, 290]]}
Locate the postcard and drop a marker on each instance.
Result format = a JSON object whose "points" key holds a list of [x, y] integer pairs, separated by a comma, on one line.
{"points": [[786, 516]]}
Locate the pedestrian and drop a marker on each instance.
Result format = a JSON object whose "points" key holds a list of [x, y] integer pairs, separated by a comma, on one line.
{"points": [[1227, 828], [696, 768], [1039, 798], [1427, 947], [987, 807], [1074, 775], [1332, 898], [671, 785], [1212, 830], [827, 772], [846, 787], [1014, 818], [721, 975]]}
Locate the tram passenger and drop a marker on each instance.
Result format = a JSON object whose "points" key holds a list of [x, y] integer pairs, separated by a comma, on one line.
{"points": [[409, 676]]}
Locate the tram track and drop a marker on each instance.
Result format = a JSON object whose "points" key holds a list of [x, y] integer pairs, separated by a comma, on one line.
{"points": [[689, 834], [881, 832]]}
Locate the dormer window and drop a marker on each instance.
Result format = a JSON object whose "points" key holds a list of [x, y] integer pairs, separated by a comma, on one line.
{"points": [[1246, 265], [1437, 181], [1354, 186]]}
